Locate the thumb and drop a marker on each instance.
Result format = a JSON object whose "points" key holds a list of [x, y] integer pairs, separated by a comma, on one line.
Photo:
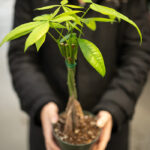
{"points": [[102, 119], [53, 112], [54, 118]]}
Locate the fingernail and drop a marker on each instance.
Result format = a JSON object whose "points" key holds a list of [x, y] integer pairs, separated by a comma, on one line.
{"points": [[99, 123], [54, 120]]}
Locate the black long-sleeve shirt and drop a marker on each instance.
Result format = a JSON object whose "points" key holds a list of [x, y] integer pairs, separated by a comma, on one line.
{"points": [[39, 78]]}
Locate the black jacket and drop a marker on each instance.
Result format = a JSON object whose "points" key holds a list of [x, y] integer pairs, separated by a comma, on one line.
{"points": [[39, 78]]}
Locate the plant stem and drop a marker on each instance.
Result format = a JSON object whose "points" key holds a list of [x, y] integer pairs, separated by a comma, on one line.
{"points": [[59, 32], [71, 83], [52, 37], [69, 51], [71, 67], [82, 17], [85, 12]]}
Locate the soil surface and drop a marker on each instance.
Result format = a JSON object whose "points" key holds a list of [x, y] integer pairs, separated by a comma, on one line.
{"points": [[84, 134]]}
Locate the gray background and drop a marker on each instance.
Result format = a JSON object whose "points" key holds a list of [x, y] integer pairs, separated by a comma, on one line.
{"points": [[14, 123]]}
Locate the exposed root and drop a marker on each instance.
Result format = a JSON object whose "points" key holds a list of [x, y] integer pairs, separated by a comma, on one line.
{"points": [[74, 116]]}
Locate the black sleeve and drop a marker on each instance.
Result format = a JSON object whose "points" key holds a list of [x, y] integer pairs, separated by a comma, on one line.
{"points": [[29, 81], [133, 66]]}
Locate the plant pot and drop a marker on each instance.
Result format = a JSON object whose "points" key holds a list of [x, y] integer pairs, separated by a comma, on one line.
{"points": [[67, 146]]}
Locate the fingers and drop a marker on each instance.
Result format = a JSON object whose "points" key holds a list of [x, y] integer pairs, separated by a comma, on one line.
{"points": [[53, 115], [49, 115], [94, 147], [103, 118], [50, 111], [81, 2], [49, 142], [50, 145], [105, 137], [104, 122]]}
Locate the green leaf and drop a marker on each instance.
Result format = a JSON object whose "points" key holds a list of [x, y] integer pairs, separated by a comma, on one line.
{"points": [[112, 13], [56, 25], [55, 12], [67, 25], [63, 2], [63, 19], [40, 42], [68, 13], [74, 26], [90, 23], [87, 1], [36, 34], [66, 37], [74, 6], [45, 17], [104, 10], [47, 7], [101, 19], [73, 38], [77, 19], [66, 16], [93, 55], [66, 9], [20, 31]]}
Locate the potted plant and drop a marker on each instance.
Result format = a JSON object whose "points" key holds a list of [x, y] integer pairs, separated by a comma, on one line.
{"points": [[73, 130]]}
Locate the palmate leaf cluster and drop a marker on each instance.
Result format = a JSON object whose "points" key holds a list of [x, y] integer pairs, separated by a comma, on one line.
{"points": [[73, 20]]}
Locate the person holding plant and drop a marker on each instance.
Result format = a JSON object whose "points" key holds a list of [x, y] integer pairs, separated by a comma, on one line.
{"points": [[40, 78]]}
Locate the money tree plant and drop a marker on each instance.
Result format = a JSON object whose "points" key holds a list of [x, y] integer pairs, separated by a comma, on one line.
{"points": [[68, 21]]}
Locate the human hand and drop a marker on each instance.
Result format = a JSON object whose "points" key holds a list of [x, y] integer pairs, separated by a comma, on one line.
{"points": [[49, 115], [81, 2], [105, 122]]}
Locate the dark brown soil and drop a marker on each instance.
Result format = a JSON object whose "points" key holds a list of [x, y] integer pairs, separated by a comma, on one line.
{"points": [[85, 134]]}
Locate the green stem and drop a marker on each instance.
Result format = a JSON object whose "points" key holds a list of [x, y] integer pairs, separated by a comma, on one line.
{"points": [[69, 52], [82, 17], [59, 32], [71, 67], [52, 37], [71, 83], [85, 12]]}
